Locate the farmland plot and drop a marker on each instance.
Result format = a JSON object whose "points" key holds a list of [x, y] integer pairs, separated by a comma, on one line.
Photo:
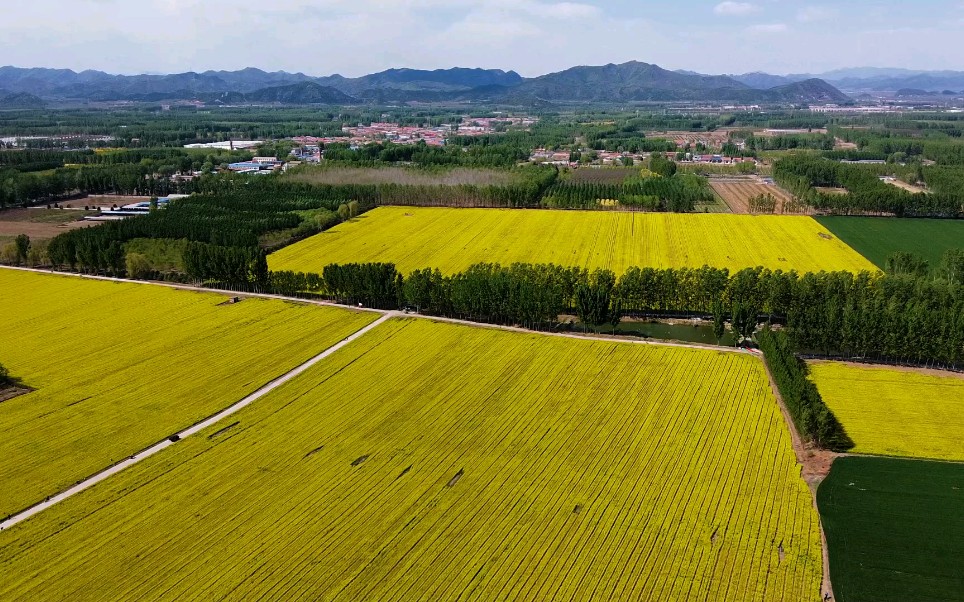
{"points": [[438, 462], [117, 367], [737, 193], [895, 529], [895, 412], [877, 238], [454, 239]]}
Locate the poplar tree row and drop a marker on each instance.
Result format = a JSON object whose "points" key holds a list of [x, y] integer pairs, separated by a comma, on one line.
{"points": [[679, 193], [898, 318], [810, 414]]}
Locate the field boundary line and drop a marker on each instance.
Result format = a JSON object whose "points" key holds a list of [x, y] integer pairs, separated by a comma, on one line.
{"points": [[92, 480], [197, 289], [811, 472]]}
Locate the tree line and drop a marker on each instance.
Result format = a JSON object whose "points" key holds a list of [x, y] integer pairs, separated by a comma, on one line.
{"points": [[678, 193], [495, 153], [38, 176], [227, 224], [810, 414], [864, 192], [5, 379], [527, 187], [871, 316]]}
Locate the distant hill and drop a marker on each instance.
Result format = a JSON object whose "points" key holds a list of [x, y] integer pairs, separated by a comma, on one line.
{"points": [[810, 91], [635, 81], [252, 80], [913, 92], [938, 80], [864, 79], [440, 80], [20, 101], [304, 93], [765, 81], [630, 81], [394, 84]]}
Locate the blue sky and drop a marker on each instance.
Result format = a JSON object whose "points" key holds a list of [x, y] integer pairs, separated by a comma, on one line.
{"points": [[353, 37]]}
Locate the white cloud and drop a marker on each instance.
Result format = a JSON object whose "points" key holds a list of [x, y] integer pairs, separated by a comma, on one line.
{"points": [[354, 37], [534, 8], [730, 8], [810, 14], [768, 28], [573, 10]]}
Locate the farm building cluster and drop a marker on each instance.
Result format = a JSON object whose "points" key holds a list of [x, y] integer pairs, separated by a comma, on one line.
{"points": [[117, 212]]}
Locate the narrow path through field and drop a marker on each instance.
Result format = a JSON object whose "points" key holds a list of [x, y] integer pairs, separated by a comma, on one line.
{"points": [[200, 426]]}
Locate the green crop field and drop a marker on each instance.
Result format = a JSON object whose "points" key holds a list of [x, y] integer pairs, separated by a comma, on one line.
{"points": [[430, 461], [117, 367], [453, 239], [877, 238], [895, 530]]}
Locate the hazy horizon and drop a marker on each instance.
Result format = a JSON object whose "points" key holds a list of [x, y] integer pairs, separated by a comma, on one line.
{"points": [[400, 67], [531, 37]]}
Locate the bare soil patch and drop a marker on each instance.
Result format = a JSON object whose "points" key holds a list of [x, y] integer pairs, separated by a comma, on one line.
{"points": [[456, 478], [44, 216], [39, 230], [714, 139], [737, 192], [841, 144], [908, 187], [11, 392], [830, 190], [41, 224]]}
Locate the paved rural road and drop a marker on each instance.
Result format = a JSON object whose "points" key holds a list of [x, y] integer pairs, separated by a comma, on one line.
{"points": [[200, 426]]}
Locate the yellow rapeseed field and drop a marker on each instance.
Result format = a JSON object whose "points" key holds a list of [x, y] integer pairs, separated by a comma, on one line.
{"points": [[117, 367], [454, 239], [439, 462], [895, 412]]}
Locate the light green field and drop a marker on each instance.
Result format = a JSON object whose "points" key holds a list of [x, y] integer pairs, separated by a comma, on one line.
{"points": [[438, 462], [118, 367], [454, 239]]}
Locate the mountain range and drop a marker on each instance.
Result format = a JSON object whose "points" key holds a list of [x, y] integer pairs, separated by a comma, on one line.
{"points": [[627, 82], [868, 80]]}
